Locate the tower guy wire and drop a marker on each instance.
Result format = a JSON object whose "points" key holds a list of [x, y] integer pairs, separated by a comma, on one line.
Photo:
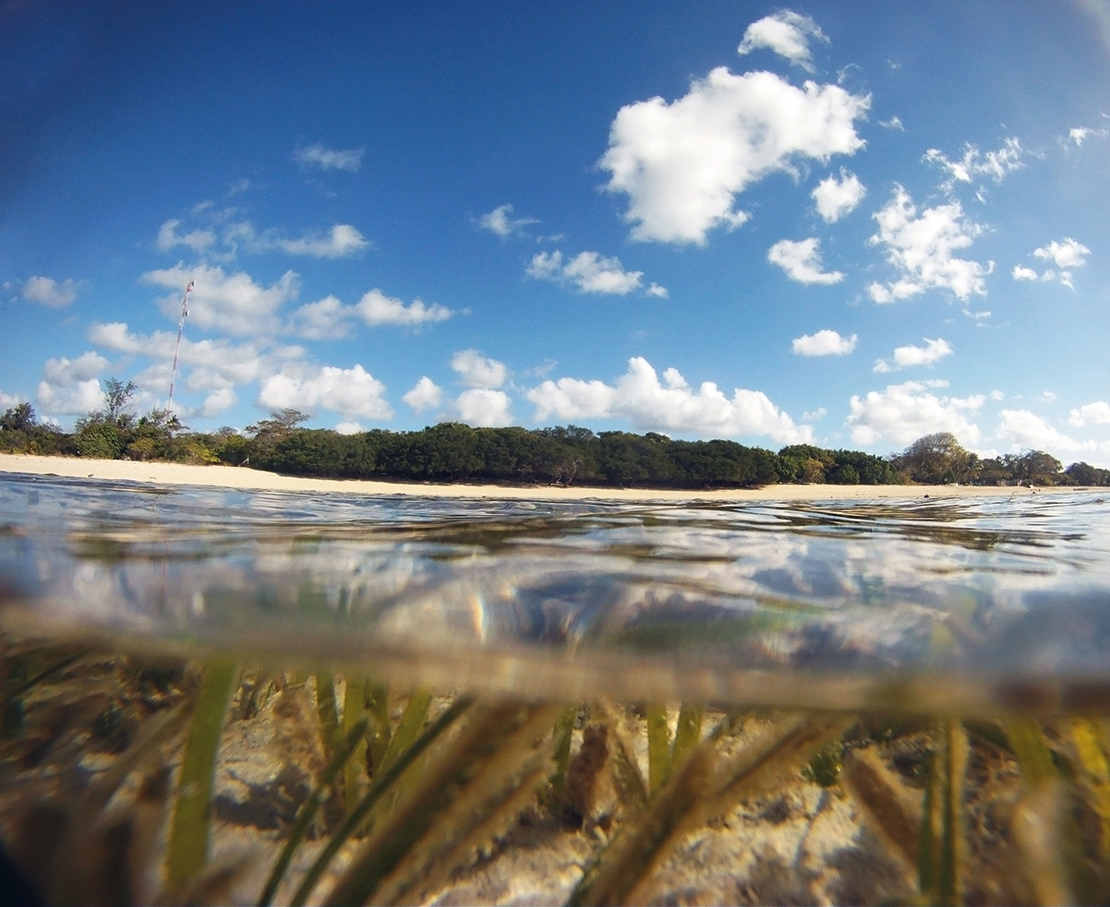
{"points": [[180, 331]]}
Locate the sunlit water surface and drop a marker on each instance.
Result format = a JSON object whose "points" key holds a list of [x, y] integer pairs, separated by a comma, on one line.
{"points": [[966, 604]]}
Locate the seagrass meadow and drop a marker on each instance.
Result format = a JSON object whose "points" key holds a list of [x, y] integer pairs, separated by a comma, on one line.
{"points": [[245, 697]]}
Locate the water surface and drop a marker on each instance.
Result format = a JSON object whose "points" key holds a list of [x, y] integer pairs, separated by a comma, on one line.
{"points": [[957, 603]]}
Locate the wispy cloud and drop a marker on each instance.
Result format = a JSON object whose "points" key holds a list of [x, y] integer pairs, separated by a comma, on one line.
{"points": [[995, 165], [349, 159], [501, 221]]}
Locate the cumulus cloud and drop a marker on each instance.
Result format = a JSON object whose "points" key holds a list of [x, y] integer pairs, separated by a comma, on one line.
{"points": [[786, 33], [824, 343], [908, 356], [994, 164], [317, 155], [902, 413], [71, 387], [425, 394], [1097, 413], [922, 246], [375, 308], [49, 292], [233, 303], [476, 370], [217, 402], [1064, 255], [349, 391], [801, 261], [682, 164], [501, 221], [212, 364], [1027, 431], [669, 406], [484, 407], [590, 272], [834, 198], [169, 238], [329, 318]]}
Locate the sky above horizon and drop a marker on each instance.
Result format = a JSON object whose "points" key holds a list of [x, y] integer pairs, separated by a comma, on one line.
{"points": [[842, 224]]}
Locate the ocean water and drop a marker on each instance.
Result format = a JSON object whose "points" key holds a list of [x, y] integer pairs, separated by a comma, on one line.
{"points": [[934, 604]]}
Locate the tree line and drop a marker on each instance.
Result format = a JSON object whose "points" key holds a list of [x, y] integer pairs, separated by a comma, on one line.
{"points": [[564, 455]]}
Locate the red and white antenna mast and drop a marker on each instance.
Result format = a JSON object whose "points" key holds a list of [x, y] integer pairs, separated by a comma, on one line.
{"points": [[180, 330]]}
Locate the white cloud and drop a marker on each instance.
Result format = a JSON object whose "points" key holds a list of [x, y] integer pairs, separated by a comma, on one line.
{"points": [[7, 401], [801, 261], [834, 198], [476, 370], [824, 343], [994, 164], [902, 413], [682, 164], [348, 391], [816, 415], [234, 303], [70, 387], [894, 123], [1026, 431], [342, 240], [669, 406], [325, 319], [500, 221], [375, 308], [786, 33], [219, 401], [317, 155], [1097, 413], [348, 428], [211, 364], [908, 356], [1080, 134], [589, 272], [1066, 254], [483, 407], [425, 394], [48, 292], [169, 238], [922, 246]]}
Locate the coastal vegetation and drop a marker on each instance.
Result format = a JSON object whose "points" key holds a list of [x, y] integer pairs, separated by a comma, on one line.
{"points": [[560, 455]]}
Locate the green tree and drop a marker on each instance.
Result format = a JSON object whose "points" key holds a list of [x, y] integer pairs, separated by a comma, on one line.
{"points": [[937, 458], [20, 417]]}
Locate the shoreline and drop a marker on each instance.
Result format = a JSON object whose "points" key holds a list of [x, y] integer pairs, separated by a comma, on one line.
{"points": [[246, 478]]}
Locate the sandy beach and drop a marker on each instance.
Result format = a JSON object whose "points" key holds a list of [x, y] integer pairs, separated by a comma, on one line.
{"points": [[244, 477]]}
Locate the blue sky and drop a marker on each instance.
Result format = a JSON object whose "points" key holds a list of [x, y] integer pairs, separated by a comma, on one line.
{"points": [[845, 224]]}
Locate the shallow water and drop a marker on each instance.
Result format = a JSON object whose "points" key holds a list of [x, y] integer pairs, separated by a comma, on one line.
{"points": [[970, 605]]}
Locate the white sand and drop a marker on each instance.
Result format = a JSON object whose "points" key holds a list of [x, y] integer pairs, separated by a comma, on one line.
{"points": [[243, 477]]}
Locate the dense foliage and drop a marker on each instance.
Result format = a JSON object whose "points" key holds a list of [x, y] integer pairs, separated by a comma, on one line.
{"points": [[454, 452]]}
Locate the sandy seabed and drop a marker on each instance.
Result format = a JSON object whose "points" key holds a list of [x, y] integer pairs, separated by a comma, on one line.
{"points": [[245, 477]]}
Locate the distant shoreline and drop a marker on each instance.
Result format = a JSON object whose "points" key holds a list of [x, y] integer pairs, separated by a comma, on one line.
{"points": [[244, 477]]}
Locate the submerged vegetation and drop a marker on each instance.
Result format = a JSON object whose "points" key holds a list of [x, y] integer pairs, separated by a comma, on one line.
{"points": [[124, 782], [563, 455]]}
